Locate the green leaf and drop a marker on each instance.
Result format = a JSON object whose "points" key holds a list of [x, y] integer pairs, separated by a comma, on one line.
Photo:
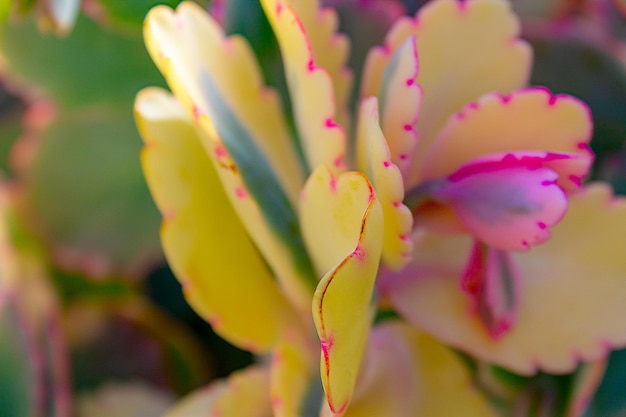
{"points": [[130, 13], [92, 64], [86, 194], [84, 188]]}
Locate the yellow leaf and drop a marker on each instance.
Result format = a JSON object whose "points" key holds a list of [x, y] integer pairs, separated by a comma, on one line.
{"points": [[223, 276], [189, 46], [244, 394], [407, 373], [311, 89], [342, 222]]}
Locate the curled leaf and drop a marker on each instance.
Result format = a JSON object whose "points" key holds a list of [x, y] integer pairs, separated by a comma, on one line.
{"points": [[350, 224]]}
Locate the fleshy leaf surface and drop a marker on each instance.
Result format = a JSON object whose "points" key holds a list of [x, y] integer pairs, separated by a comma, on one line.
{"points": [[466, 49], [263, 206], [527, 120], [244, 394], [233, 284], [330, 49], [492, 281], [294, 376], [407, 373], [509, 208], [400, 99], [555, 328], [343, 226], [310, 87], [212, 71], [374, 158]]}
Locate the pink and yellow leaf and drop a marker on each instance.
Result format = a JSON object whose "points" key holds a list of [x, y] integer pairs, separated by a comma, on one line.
{"points": [[181, 43], [466, 49], [204, 240], [189, 46], [351, 223], [311, 89], [374, 158], [555, 329], [400, 100], [506, 206], [294, 370], [527, 120], [330, 49]]}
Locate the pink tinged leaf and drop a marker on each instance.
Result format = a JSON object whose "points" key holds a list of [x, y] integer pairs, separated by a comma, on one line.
{"points": [[400, 96], [192, 50], [507, 207], [573, 286], [374, 158], [330, 49], [466, 48], [191, 188], [532, 121], [342, 301], [310, 87], [492, 281], [184, 44]]}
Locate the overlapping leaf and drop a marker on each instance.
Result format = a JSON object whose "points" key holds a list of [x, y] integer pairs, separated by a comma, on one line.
{"points": [[555, 328], [343, 227], [186, 187]]}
